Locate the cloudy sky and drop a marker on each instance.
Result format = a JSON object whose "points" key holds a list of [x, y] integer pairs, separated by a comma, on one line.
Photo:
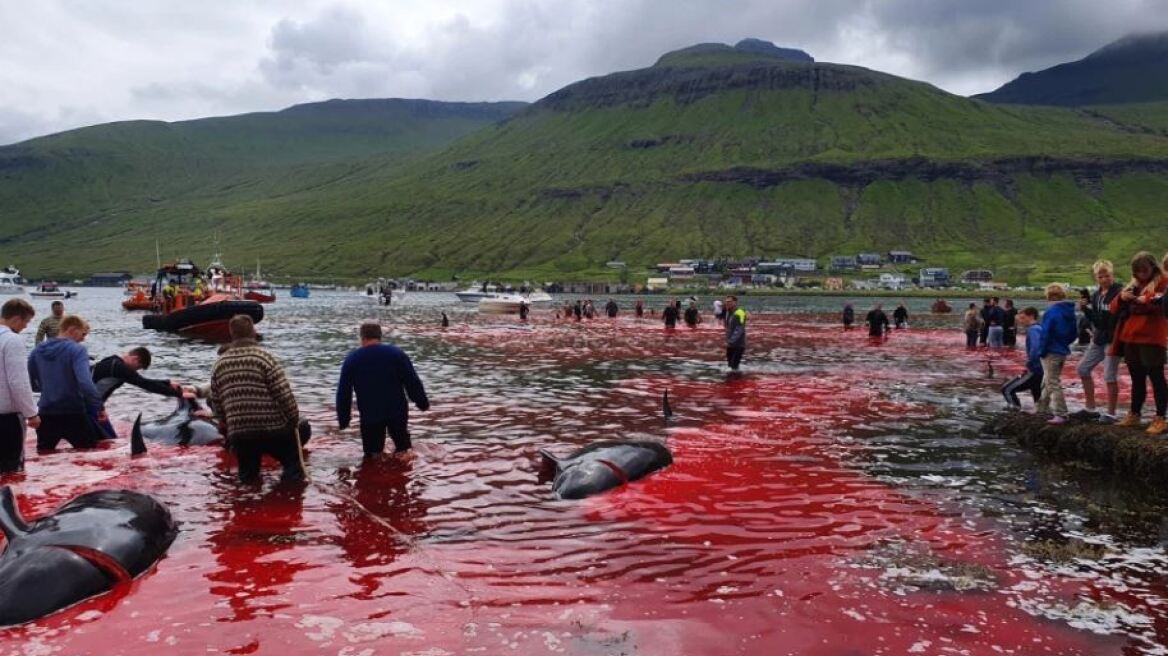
{"points": [[68, 63]]}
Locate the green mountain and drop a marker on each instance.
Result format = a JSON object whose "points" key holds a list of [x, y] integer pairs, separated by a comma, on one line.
{"points": [[130, 182], [711, 152], [1131, 70]]}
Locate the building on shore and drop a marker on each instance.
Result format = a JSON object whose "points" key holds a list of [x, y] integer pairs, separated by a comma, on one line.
{"points": [[934, 277], [902, 257], [976, 276]]}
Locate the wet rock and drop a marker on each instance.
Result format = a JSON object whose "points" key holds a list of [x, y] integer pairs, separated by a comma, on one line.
{"points": [[1122, 451]]}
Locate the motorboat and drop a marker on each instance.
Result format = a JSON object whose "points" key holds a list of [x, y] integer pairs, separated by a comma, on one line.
{"points": [[188, 308], [509, 303], [299, 290], [477, 292], [382, 291], [10, 282], [51, 290]]}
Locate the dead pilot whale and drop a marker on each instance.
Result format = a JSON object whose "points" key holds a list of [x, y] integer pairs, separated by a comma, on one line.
{"points": [[604, 465], [184, 428], [84, 548]]}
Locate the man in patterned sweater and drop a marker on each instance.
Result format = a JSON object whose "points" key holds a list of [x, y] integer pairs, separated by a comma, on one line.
{"points": [[258, 410]]}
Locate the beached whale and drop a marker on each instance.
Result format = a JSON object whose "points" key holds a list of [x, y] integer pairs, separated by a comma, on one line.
{"points": [[183, 428], [84, 548], [604, 465]]}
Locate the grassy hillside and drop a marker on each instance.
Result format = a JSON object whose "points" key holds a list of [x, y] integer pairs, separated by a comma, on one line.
{"points": [[709, 153], [137, 181]]}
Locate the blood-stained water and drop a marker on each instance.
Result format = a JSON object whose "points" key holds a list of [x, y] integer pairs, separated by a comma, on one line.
{"points": [[836, 497]]}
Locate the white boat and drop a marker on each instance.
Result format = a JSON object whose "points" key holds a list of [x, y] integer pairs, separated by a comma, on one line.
{"points": [[509, 303], [477, 292], [51, 290], [10, 281]]}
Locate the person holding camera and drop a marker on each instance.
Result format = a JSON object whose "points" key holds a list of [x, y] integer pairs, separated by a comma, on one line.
{"points": [[1140, 337], [1097, 308]]}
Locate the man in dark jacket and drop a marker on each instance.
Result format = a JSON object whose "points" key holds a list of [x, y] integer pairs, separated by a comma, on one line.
{"points": [[735, 332], [987, 309], [877, 321], [1010, 325], [1097, 309], [59, 369], [116, 370], [669, 315], [382, 376]]}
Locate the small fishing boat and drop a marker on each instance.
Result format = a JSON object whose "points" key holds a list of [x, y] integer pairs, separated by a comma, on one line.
{"points": [[299, 290], [10, 281], [258, 289], [51, 290]]}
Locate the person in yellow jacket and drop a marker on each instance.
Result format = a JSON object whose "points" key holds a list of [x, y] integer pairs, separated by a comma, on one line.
{"points": [[735, 332]]}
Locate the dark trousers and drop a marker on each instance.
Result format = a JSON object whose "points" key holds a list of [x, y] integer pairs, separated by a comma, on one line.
{"points": [[1140, 375], [250, 451], [1010, 337], [985, 333], [11, 443], [79, 430], [1028, 381], [734, 356], [373, 436], [971, 339]]}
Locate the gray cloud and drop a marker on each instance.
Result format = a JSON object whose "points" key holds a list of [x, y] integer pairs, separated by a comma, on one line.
{"points": [[64, 63]]}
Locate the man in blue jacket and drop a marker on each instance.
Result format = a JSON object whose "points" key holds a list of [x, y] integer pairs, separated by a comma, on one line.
{"points": [[1059, 331], [59, 369], [1031, 379], [382, 375]]}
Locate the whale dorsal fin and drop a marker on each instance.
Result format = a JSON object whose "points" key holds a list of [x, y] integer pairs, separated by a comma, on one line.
{"points": [[550, 461], [666, 408], [10, 520], [137, 443]]}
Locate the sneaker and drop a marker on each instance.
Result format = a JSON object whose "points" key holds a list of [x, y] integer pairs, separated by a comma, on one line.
{"points": [[1105, 418], [1158, 426], [1130, 421], [1057, 420], [1085, 414]]}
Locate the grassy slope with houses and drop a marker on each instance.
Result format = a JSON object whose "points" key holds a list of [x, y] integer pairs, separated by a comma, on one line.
{"points": [[710, 153]]}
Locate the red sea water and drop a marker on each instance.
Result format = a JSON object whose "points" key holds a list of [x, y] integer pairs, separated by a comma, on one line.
{"points": [[836, 498]]}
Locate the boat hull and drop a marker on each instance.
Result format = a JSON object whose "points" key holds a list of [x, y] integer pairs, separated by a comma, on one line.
{"points": [[260, 297], [207, 321]]}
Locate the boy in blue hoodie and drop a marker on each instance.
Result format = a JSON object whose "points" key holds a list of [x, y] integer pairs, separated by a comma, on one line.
{"points": [[1031, 379], [59, 369], [1059, 331]]}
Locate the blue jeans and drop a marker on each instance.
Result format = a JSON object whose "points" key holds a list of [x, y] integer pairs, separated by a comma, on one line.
{"points": [[995, 337]]}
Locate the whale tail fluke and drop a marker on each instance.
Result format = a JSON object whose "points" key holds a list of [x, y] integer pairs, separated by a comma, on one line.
{"points": [[137, 443], [666, 409], [11, 523]]}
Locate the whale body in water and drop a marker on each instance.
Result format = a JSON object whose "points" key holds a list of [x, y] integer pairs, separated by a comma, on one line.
{"points": [[84, 548], [183, 428], [604, 465]]}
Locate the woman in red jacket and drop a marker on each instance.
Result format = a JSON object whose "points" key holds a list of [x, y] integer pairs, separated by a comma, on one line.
{"points": [[1141, 337]]}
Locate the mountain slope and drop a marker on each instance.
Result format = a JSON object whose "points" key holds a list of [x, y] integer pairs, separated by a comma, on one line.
{"points": [[1131, 70], [139, 169], [711, 152]]}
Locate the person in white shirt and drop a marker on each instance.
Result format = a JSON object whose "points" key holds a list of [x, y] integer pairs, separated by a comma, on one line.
{"points": [[17, 405]]}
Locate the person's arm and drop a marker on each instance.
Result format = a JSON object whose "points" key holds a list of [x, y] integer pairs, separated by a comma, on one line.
{"points": [[154, 386], [85, 384], [345, 395], [34, 374], [1047, 325], [413, 384], [18, 381], [42, 331], [737, 331], [281, 391]]}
